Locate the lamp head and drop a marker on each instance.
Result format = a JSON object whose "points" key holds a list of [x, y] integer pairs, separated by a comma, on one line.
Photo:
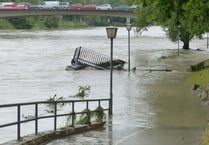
{"points": [[128, 27], [111, 32]]}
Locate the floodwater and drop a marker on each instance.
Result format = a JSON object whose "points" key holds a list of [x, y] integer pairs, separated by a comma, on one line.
{"points": [[149, 106]]}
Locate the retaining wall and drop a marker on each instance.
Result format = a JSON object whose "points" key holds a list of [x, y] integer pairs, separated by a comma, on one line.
{"points": [[44, 137]]}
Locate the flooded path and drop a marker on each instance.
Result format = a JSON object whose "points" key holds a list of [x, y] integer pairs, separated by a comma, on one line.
{"points": [[153, 107]]}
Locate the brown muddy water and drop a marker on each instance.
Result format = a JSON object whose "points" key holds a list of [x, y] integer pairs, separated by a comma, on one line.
{"points": [[157, 104]]}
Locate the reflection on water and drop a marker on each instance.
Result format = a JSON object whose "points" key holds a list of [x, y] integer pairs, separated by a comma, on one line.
{"points": [[33, 68]]}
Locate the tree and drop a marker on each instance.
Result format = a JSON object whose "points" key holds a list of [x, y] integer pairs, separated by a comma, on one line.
{"points": [[177, 17], [51, 22], [21, 22]]}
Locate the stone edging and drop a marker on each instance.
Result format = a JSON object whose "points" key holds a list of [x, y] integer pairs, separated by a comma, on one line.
{"points": [[45, 137]]}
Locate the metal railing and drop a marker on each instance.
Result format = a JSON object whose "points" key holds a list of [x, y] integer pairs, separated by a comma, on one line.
{"points": [[55, 115], [88, 57]]}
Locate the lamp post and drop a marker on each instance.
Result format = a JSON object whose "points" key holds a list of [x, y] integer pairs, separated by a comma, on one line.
{"points": [[128, 27], [178, 42], [207, 40], [111, 34], [178, 36]]}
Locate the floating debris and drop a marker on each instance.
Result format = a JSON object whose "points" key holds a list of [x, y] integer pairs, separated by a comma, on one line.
{"points": [[84, 57]]}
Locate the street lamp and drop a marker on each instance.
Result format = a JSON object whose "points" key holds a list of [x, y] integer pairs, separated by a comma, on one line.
{"points": [[128, 27], [111, 34]]}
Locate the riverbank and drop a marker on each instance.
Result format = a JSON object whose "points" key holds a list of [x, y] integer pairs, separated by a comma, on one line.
{"points": [[200, 81], [40, 23]]}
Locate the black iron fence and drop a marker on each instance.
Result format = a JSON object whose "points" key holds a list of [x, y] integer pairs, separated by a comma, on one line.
{"points": [[86, 57], [36, 117]]}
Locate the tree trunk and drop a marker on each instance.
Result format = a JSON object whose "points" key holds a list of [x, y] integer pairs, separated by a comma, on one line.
{"points": [[186, 45], [185, 37]]}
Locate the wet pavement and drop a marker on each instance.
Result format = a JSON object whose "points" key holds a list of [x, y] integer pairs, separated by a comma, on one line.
{"points": [[134, 135]]}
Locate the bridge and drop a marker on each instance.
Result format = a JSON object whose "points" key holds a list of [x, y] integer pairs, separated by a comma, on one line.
{"points": [[48, 12]]}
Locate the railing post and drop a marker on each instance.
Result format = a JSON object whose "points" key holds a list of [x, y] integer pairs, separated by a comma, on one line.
{"points": [[36, 118], [18, 122], [55, 116], [73, 114], [99, 103], [87, 104]]}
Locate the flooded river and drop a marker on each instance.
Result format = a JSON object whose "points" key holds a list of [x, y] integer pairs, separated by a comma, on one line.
{"points": [[155, 104]]}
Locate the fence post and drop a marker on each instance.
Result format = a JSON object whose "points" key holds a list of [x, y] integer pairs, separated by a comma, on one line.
{"points": [[87, 104], [36, 118], [55, 116], [73, 114], [18, 122], [99, 103]]}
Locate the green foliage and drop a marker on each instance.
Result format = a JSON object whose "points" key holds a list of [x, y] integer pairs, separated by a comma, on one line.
{"points": [[205, 137], [52, 22], [75, 24], [69, 120], [52, 100], [144, 19], [197, 13], [86, 115], [5, 24], [85, 118], [83, 91], [183, 18], [199, 77], [200, 66], [21, 22], [99, 114]]}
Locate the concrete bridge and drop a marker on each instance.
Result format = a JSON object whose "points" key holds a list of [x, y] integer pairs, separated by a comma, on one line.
{"points": [[113, 13]]}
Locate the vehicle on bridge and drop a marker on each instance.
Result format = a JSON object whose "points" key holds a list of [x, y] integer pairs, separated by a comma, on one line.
{"points": [[88, 7], [63, 5], [49, 5], [104, 7], [35, 7], [82, 7], [122, 8], [75, 6], [10, 5], [26, 5]]}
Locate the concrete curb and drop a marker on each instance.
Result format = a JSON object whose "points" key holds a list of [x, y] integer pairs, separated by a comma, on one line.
{"points": [[45, 137]]}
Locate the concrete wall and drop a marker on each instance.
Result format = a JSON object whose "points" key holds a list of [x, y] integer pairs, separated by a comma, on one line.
{"points": [[45, 137]]}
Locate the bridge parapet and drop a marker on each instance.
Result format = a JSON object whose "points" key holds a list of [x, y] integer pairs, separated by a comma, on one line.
{"points": [[43, 12]]}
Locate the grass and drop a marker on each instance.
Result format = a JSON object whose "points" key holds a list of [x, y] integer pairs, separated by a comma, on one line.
{"points": [[205, 137], [199, 77], [199, 74], [200, 66]]}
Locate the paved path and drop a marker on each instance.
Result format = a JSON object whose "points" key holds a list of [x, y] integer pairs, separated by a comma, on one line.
{"points": [[133, 135]]}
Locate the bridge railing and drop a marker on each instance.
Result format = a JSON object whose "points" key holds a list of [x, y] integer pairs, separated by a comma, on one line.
{"points": [[36, 116]]}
